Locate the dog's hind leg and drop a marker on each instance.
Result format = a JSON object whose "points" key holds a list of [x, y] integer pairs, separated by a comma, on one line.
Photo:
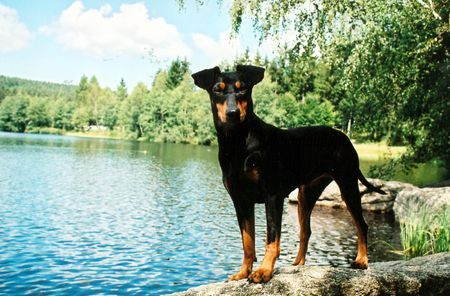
{"points": [[352, 198], [307, 197]]}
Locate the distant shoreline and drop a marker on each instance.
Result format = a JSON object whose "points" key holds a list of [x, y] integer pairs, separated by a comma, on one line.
{"points": [[367, 151]]}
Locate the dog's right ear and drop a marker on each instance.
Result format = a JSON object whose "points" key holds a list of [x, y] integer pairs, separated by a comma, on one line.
{"points": [[206, 78]]}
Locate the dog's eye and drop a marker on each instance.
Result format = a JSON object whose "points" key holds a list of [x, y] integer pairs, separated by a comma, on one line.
{"points": [[239, 85], [219, 87]]}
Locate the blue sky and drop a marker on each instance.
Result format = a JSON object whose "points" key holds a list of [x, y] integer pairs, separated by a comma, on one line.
{"points": [[59, 41]]}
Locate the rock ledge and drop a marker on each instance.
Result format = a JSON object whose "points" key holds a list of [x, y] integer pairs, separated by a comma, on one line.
{"points": [[428, 275], [399, 197]]}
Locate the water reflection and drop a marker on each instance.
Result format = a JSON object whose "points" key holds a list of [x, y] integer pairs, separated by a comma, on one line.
{"points": [[89, 215]]}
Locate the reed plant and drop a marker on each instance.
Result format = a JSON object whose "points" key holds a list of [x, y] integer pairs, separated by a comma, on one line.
{"points": [[425, 231]]}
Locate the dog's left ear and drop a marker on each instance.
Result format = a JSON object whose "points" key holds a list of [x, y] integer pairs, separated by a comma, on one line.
{"points": [[206, 78], [252, 74]]}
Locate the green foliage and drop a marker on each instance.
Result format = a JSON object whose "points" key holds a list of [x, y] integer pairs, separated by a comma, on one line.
{"points": [[11, 86], [80, 118], [285, 111], [122, 91], [176, 72], [37, 112], [45, 130], [425, 231], [61, 113], [382, 64], [178, 115], [13, 113], [131, 108]]}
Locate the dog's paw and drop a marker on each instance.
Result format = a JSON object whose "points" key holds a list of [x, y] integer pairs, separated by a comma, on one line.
{"points": [[261, 275], [238, 276], [298, 262], [360, 263]]}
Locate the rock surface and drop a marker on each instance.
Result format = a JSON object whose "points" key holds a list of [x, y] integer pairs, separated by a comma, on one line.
{"points": [[429, 275], [331, 196], [413, 198], [399, 196]]}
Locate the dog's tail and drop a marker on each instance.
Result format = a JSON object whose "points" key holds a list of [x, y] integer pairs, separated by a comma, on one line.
{"points": [[368, 185]]}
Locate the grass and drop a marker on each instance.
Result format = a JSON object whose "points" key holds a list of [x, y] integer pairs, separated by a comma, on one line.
{"points": [[425, 231], [46, 131], [97, 134], [87, 134], [378, 151]]}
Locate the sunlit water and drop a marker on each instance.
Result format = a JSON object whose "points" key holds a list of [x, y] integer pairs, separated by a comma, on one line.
{"points": [[83, 216]]}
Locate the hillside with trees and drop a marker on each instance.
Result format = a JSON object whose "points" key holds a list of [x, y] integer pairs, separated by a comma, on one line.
{"points": [[170, 110], [11, 85]]}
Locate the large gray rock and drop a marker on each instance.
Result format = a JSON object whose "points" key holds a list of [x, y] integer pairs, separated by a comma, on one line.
{"points": [[372, 201], [401, 197], [429, 275], [413, 198]]}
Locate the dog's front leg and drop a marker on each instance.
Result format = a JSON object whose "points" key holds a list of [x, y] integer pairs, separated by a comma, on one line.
{"points": [[274, 211], [246, 218]]}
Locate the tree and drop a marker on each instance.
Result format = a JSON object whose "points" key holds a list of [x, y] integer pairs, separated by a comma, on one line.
{"points": [[61, 112], [388, 61], [93, 102], [176, 72], [131, 108], [80, 118], [122, 91], [82, 91], [107, 110], [13, 113], [37, 112]]}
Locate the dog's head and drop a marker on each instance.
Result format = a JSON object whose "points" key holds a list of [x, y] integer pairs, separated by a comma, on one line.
{"points": [[230, 92]]}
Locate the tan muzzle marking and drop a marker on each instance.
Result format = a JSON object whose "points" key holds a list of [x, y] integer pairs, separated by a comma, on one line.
{"points": [[243, 109], [221, 111]]}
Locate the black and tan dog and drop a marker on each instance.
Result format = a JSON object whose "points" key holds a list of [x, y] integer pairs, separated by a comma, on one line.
{"points": [[263, 164]]}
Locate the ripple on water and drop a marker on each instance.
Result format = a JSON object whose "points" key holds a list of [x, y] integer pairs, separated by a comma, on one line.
{"points": [[85, 216]]}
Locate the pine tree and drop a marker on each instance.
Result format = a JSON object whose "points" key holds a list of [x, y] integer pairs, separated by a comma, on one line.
{"points": [[122, 91], [176, 72]]}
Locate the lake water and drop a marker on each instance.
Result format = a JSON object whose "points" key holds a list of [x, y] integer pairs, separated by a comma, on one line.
{"points": [[83, 216]]}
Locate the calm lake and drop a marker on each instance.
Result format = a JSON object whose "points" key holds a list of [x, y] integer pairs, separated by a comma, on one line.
{"points": [[83, 216]]}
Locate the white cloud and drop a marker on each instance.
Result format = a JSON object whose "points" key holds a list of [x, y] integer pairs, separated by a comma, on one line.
{"points": [[103, 33], [14, 35], [223, 49]]}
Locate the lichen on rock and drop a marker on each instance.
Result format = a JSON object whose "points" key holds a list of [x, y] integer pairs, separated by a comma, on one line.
{"points": [[429, 275]]}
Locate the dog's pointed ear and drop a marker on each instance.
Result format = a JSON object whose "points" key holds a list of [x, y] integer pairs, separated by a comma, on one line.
{"points": [[206, 78], [252, 74]]}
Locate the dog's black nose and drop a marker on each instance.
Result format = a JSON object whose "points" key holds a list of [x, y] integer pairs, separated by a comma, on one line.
{"points": [[233, 113]]}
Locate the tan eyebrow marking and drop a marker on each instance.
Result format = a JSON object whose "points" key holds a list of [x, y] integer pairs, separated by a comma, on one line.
{"points": [[237, 84], [222, 85]]}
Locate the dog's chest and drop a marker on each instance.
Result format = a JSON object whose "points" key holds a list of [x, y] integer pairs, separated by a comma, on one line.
{"points": [[252, 166]]}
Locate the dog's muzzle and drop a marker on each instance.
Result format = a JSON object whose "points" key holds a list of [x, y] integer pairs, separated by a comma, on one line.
{"points": [[233, 114]]}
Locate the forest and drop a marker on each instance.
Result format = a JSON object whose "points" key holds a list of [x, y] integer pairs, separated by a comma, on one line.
{"points": [[378, 71]]}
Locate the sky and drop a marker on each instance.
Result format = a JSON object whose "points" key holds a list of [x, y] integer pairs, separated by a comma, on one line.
{"points": [[59, 41]]}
